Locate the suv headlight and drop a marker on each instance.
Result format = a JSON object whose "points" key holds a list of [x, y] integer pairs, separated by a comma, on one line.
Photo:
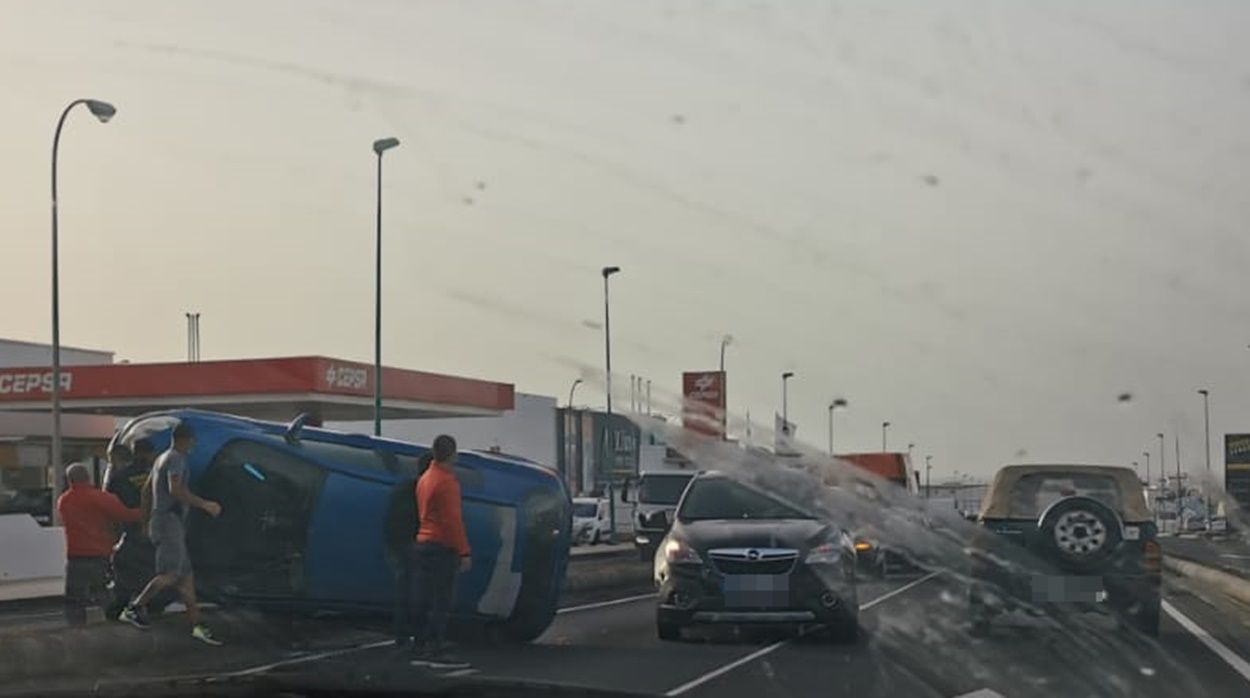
{"points": [[677, 551], [825, 554]]}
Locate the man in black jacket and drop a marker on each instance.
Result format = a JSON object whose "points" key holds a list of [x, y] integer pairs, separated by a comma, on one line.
{"points": [[401, 534], [133, 556]]}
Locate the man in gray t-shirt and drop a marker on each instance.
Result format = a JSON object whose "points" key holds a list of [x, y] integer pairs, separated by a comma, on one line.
{"points": [[171, 499]]}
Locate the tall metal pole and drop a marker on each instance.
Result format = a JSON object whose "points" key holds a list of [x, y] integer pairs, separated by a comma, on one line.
{"points": [[1206, 420], [102, 111], [928, 467], [571, 389], [1147, 455], [785, 401], [885, 427], [1163, 461], [607, 360], [831, 430], [607, 332], [377, 314], [1178, 479], [379, 146]]}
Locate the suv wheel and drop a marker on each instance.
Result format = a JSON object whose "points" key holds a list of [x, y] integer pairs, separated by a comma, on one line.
{"points": [[1081, 532]]}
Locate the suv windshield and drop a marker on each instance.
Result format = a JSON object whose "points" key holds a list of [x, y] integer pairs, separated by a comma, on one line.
{"points": [[1033, 493], [662, 489], [723, 498]]}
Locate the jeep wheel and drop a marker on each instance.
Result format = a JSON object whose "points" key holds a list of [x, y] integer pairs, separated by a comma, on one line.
{"points": [[1080, 532]]}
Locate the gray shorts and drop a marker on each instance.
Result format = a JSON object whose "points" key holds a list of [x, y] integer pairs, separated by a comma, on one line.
{"points": [[170, 538]]}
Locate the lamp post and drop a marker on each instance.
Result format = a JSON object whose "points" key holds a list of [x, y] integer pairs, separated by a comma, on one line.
{"points": [[607, 360], [1146, 454], [379, 146], [607, 331], [1206, 421], [571, 389], [837, 402], [928, 467], [102, 111], [885, 428]]}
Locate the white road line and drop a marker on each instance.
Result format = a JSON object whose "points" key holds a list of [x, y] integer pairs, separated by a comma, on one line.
{"points": [[1231, 658], [981, 693], [699, 681], [896, 592], [605, 604]]}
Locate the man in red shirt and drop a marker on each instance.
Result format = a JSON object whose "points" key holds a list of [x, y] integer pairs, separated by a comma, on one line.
{"points": [[441, 552], [90, 517]]}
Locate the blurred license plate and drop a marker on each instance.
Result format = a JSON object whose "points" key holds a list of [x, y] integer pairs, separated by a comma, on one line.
{"points": [[1067, 589], [756, 590]]}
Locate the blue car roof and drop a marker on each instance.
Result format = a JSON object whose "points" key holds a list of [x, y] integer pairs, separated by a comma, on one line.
{"points": [[322, 435]]}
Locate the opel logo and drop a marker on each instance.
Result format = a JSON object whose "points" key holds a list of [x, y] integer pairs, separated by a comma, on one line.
{"points": [[753, 554]]}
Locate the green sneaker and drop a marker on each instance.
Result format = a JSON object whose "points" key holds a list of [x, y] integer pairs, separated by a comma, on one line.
{"points": [[205, 635]]}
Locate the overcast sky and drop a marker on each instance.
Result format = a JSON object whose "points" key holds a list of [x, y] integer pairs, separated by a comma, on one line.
{"points": [[982, 221]]}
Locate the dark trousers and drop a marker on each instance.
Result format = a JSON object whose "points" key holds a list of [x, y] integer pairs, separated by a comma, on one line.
{"points": [[86, 579], [401, 565], [434, 571]]}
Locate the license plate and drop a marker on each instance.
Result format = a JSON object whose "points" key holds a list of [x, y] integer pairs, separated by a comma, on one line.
{"points": [[1068, 589], [756, 590]]}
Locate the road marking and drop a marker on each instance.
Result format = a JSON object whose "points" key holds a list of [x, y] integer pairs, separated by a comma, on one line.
{"points": [[699, 681], [1231, 658], [981, 693], [605, 604], [896, 592]]}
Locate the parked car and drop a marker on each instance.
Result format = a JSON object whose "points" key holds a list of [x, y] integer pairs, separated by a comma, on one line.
{"points": [[1092, 537], [591, 521], [737, 554]]}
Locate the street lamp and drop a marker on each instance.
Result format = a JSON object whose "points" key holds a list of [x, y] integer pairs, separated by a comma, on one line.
{"points": [[724, 342], [885, 427], [607, 331], [1146, 454], [571, 389], [1163, 461], [837, 402], [102, 111], [1206, 420], [928, 467], [785, 401], [379, 146], [909, 450]]}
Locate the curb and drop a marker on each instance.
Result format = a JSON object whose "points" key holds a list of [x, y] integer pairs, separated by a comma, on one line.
{"points": [[1235, 586]]}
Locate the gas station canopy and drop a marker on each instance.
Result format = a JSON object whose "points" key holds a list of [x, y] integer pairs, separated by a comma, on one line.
{"points": [[274, 389]]}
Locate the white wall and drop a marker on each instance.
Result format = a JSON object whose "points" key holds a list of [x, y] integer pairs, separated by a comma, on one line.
{"points": [[32, 558], [528, 431]]}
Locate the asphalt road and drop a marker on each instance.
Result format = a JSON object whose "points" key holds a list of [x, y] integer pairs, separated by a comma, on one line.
{"points": [[915, 644]]}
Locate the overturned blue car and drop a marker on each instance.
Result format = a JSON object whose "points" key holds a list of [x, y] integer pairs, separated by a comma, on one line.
{"points": [[301, 527]]}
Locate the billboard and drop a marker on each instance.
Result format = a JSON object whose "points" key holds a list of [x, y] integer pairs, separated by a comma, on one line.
{"points": [[1237, 468], [703, 406]]}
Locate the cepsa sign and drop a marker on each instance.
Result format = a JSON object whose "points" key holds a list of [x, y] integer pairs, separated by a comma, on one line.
{"points": [[703, 409], [27, 382]]}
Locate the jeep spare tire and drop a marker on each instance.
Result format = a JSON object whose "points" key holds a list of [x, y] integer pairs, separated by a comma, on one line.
{"points": [[1079, 532]]}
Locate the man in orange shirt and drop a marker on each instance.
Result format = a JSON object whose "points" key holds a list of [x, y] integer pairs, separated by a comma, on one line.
{"points": [[89, 516], [441, 552]]}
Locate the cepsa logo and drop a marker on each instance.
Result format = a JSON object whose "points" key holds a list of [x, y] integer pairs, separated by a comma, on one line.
{"points": [[347, 377], [27, 383], [705, 388]]}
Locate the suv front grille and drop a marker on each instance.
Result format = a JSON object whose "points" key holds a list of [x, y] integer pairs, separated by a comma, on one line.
{"points": [[754, 560]]}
